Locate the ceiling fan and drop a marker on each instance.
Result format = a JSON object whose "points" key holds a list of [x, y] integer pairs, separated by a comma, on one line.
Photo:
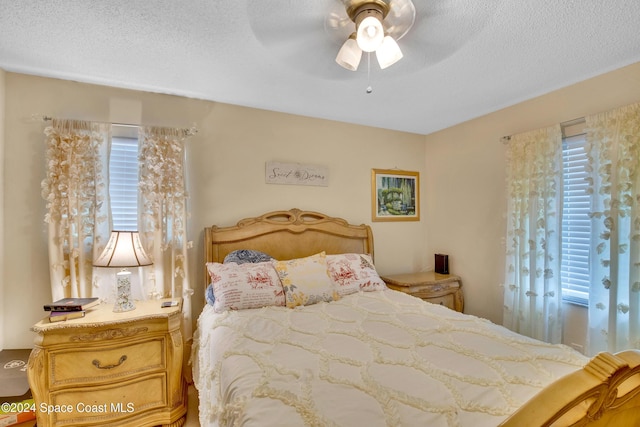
{"points": [[307, 35]]}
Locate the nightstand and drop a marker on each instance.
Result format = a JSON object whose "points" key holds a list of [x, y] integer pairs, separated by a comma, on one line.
{"points": [[109, 368], [442, 289]]}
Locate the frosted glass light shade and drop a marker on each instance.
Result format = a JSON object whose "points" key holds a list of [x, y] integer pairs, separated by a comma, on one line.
{"points": [[388, 53], [349, 55], [370, 34]]}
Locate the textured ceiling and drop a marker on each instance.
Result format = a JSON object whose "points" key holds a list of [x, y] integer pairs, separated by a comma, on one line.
{"points": [[462, 58]]}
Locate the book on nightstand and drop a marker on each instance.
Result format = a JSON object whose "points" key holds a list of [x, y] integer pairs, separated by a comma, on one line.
{"points": [[59, 316], [16, 419], [21, 413], [72, 304]]}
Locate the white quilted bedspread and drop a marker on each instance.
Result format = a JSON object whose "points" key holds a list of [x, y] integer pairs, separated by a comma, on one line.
{"points": [[370, 359]]}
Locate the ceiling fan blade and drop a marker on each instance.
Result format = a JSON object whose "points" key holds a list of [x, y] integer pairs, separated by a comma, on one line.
{"points": [[400, 19], [305, 35], [278, 20], [441, 28]]}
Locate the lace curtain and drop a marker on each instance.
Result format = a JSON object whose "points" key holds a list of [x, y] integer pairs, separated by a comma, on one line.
{"points": [[613, 147], [77, 196], [78, 212], [163, 215], [532, 294]]}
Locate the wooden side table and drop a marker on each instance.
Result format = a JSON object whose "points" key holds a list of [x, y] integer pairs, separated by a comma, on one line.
{"points": [[442, 289], [110, 368]]}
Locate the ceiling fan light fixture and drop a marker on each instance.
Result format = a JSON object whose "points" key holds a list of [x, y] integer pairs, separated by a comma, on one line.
{"points": [[350, 54], [379, 24], [370, 32], [388, 53]]}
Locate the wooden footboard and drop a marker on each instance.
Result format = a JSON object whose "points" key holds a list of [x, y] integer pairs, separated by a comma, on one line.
{"points": [[606, 392]]}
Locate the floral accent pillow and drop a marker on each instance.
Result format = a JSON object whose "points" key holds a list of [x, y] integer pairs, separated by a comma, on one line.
{"points": [[351, 273], [306, 281], [244, 286]]}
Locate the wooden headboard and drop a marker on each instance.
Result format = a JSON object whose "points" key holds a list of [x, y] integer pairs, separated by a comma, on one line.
{"points": [[287, 235]]}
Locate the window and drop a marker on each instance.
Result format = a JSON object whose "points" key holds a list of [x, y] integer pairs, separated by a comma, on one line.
{"points": [[123, 177], [576, 224]]}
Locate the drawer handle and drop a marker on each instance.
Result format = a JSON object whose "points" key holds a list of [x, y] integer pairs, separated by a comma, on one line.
{"points": [[96, 363]]}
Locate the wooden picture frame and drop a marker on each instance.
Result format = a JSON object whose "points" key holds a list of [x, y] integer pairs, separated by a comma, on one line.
{"points": [[395, 195]]}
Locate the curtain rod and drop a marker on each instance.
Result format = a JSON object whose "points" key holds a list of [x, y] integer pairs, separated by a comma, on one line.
{"points": [[568, 123], [188, 131]]}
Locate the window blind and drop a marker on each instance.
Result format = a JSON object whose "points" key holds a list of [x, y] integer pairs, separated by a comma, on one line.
{"points": [[576, 224], [123, 183]]}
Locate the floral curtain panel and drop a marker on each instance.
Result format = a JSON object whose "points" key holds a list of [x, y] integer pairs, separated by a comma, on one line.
{"points": [[613, 147], [77, 196], [532, 294], [163, 215]]}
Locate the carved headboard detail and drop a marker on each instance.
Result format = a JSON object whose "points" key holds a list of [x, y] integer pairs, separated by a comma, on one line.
{"points": [[288, 234]]}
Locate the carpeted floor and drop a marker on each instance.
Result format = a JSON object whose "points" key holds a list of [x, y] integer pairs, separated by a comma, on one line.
{"points": [[14, 386]]}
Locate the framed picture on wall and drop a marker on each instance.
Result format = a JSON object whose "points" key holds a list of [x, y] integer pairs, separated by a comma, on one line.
{"points": [[395, 195]]}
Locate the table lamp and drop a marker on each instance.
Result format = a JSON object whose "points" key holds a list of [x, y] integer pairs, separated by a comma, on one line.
{"points": [[123, 250]]}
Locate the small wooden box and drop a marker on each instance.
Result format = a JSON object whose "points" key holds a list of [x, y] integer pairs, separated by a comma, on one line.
{"points": [[442, 289]]}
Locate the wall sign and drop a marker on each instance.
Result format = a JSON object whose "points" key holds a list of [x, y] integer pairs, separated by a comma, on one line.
{"points": [[296, 174]]}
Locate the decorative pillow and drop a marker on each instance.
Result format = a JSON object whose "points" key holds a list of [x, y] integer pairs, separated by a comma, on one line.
{"points": [[209, 294], [306, 280], [242, 256], [243, 286], [351, 273]]}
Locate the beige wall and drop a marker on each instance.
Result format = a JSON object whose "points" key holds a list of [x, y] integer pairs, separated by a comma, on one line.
{"points": [[3, 300], [462, 179], [465, 182], [226, 162]]}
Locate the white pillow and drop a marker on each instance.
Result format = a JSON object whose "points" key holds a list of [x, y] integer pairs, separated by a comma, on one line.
{"points": [[351, 273], [244, 286], [306, 281]]}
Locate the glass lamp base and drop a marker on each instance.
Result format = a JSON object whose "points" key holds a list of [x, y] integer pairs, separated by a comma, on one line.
{"points": [[124, 302]]}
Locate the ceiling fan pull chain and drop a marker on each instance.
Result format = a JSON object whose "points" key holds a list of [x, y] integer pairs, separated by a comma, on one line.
{"points": [[369, 88]]}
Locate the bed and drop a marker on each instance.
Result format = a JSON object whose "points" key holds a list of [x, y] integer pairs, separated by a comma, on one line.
{"points": [[367, 355]]}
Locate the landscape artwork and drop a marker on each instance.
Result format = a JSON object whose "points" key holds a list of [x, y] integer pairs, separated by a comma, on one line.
{"points": [[394, 195]]}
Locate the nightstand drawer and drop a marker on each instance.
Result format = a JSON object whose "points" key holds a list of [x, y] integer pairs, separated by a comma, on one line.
{"points": [[446, 300], [96, 364], [441, 289], [110, 403]]}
